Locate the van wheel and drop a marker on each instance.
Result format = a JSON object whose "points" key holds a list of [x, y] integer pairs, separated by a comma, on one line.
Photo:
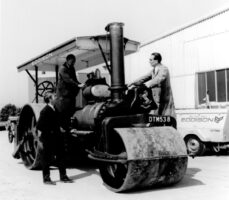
{"points": [[195, 146]]}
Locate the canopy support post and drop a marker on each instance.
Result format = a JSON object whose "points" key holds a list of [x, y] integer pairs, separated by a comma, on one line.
{"points": [[36, 83], [35, 80], [56, 70], [27, 71], [103, 55]]}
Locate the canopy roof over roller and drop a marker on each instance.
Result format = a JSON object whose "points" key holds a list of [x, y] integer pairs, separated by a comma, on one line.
{"points": [[89, 51]]}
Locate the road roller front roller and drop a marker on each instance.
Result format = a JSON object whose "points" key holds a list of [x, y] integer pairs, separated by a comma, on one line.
{"points": [[142, 157]]}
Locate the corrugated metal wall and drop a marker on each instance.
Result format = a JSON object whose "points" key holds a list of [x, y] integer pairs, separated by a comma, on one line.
{"points": [[200, 46]]}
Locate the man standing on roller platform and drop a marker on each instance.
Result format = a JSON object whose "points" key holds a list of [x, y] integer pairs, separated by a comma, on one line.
{"points": [[67, 89], [159, 82]]}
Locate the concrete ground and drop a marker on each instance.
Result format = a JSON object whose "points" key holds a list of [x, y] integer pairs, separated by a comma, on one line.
{"points": [[207, 178]]}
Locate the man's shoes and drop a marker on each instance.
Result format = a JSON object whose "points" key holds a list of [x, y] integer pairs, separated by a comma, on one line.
{"points": [[49, 182], [65, 179]]}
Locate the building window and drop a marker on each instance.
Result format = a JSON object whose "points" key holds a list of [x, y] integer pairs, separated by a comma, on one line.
{"points": [[221, 85], [201, 87], [216, 83], [227, 83], [210, 87]]}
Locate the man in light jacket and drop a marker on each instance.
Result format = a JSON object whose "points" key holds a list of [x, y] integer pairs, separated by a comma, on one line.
{"points": [[158, 79]]}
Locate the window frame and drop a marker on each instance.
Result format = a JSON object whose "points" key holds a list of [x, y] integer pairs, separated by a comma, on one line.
{"points": [[226, 74]]}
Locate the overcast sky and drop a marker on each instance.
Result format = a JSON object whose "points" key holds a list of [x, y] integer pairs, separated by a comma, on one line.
{"points": [[30, 27]]}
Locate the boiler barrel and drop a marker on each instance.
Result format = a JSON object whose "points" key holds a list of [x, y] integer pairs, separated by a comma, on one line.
{"points": [[85, 118]]}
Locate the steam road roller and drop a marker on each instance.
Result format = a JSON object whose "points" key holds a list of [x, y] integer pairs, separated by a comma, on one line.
{"points": [[112, 125]]}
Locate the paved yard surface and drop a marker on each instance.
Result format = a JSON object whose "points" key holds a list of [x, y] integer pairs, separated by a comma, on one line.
{"points": [[207, 178]]}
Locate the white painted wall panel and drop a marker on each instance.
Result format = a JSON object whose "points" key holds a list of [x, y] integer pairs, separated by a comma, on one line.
{"points": [[183, 91]]}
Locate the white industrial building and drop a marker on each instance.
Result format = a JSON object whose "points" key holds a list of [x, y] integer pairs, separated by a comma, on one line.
{"points": [[197, 55]]}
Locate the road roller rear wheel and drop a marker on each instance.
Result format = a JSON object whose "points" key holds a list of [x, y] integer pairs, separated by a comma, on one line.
{"points": [[31, 149]]}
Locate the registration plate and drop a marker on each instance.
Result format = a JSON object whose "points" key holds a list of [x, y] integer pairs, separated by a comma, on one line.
{"points": [[159, 119]]}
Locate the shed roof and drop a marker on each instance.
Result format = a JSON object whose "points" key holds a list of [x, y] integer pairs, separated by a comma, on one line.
{"points": [[86, 49]]}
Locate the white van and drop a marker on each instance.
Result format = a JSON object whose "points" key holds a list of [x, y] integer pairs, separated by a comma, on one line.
{"points": [[203, 128]]}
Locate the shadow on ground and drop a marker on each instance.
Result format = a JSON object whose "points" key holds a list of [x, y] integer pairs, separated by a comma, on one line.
{"points": [[88, 167], [187, 181]]}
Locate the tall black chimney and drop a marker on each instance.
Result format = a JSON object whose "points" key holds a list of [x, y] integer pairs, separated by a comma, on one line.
{"points": [[118, 86]]}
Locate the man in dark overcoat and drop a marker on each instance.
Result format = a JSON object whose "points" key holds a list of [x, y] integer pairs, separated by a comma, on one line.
{"points": [[67, 89], [51, 138]]}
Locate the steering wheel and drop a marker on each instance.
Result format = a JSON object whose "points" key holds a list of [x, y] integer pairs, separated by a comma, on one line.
{"points": [[45, 86], [141, 98]]}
